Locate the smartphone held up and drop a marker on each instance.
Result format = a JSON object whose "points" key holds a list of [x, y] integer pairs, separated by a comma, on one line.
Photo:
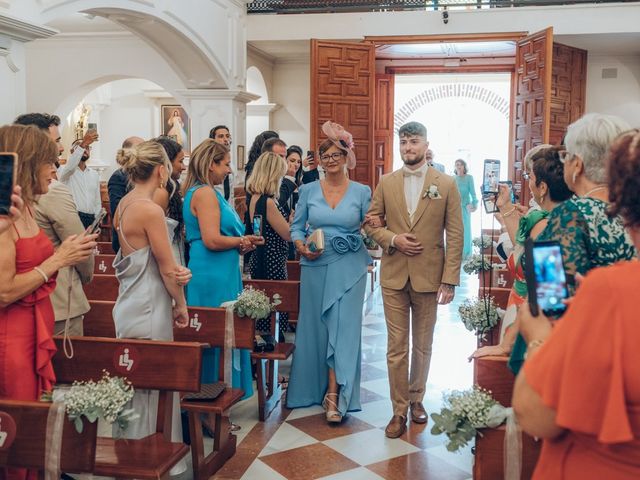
{"points": [[8, 163]]}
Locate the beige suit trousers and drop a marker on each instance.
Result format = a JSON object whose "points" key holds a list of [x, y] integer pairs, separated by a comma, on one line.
{"points": [[409, 314], [76, 328]]}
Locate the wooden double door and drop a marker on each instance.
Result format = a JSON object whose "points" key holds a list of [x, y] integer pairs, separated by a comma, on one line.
{"points": [[548, 93]]}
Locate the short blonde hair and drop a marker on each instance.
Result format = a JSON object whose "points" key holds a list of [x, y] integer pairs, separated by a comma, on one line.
{"points": [[267, 175], [202, 157], [139, 161], [35, 149]]}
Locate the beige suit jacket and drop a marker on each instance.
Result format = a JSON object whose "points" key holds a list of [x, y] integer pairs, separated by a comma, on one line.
{"points": [[440, 260], [57, 215]]}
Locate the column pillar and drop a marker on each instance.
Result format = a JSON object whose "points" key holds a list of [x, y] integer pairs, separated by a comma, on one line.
{"points": [[208, 108]]}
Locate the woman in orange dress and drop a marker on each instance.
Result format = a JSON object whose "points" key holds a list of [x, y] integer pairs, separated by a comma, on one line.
{"points": [[28, 265], [579, 389]]}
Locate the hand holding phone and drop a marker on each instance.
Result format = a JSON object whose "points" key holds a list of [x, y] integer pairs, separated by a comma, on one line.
{"points": [[257, 225], [95, 225], [546, 278], [491, 176]]}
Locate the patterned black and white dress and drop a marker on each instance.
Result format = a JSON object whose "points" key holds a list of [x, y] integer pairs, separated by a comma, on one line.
{"points": [[269, 261]]}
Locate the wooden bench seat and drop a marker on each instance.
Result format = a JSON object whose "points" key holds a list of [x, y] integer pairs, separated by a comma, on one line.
{"points": [[103, 265], [493, 374], [293, 270], [27, 448], [269, 390], [105, 248], [164, 366], [489, 454], [102, 287]]}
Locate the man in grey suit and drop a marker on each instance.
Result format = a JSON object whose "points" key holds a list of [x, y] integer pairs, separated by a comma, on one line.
{"points": [[57, 215]]}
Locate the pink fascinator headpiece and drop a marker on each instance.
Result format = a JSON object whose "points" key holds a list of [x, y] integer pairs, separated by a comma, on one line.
{"points": [[341, 139]]}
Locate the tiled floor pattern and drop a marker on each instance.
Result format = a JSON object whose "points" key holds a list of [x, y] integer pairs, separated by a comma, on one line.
{"points": [[299, 444]]}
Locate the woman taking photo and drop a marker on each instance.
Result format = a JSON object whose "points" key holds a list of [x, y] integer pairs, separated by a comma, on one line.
{"points": [[326, 362], [28, 266], [269, 261], [579, 389], [170, 197], [150, 297], [215, 235]]}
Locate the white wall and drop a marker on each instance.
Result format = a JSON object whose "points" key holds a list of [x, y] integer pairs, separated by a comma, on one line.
{"points": [[12, 84], [292, 93], [616, 96]]}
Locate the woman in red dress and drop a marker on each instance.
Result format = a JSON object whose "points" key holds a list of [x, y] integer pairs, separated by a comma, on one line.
{"points": [[28, 266]]}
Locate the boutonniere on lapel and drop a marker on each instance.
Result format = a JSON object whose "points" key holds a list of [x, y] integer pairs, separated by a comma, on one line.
{"points": [[432, 192]]}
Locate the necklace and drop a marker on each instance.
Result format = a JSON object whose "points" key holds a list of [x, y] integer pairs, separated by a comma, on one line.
{"points": [[601, 187]]}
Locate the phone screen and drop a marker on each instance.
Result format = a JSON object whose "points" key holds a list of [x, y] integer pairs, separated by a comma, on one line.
{"points": [[491, 176], [92, 126], [7, 163], [257, 225], [550, 277], [489, 202]]}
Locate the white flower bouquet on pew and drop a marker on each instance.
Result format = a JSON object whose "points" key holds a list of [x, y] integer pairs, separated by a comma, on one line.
{"points": [[479, 315], [105, 399], [255, 303], [477, 263], [483, 241], [465, 412]]}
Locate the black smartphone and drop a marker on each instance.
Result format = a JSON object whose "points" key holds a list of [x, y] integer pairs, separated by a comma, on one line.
{"points": [[92, 126], [550, 278], [8, 162], [489, 202], [257, 225], [95, 225], [491, 176], [311, 156]]}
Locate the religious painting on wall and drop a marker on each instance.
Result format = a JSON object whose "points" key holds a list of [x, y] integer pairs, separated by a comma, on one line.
{"points": [[176, 125]]}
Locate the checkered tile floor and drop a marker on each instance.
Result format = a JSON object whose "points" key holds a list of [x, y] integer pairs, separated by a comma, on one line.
{"points": [[299, 444]]}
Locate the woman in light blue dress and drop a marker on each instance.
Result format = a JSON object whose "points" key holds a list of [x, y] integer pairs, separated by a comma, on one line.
{"points": [[214, 233], [326, 361], [467, 190]]}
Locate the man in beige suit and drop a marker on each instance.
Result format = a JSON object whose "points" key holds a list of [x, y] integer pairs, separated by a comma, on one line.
{"points": [[419, 268], [57, 215]]}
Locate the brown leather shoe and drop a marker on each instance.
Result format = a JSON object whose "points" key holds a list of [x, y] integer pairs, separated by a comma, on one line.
{"points": [[397, 426], [418, 413]]}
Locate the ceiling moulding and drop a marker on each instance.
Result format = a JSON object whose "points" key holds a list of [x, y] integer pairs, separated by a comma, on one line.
{"points": [[10, 63], [204, 93], [256, 52], [157, 93], [94, 35], [262, 108], [22, 31]]}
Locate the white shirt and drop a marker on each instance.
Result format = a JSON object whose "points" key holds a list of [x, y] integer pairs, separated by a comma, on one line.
{"points": [[413, 186], [84, 185]]}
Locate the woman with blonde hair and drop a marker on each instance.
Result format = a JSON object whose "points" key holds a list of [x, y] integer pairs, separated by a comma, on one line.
{"points": [[269, 261], [28, 268], [150, 298], [215, 236]]}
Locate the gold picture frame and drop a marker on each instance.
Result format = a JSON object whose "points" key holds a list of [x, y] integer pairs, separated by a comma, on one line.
{"points": [[240, 157]]}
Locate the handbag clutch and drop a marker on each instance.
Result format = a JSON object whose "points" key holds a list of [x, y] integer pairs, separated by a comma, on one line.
{"points": [[315, 242]]}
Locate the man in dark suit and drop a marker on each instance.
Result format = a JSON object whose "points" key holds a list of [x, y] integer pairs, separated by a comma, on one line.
{"points": [[118, 186]]}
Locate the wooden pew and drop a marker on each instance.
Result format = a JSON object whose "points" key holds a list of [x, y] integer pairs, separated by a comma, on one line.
{"points": [[23, 428], [489, 454], [293, 270], [102, 287], [165, 366], [269, 390], [105, 248], [104, 265], [492, 373], [207, 325]]}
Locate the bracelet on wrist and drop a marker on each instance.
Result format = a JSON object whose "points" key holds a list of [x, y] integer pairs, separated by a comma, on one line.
{"points": [[506, 214], [532, 345], [41, 272]]}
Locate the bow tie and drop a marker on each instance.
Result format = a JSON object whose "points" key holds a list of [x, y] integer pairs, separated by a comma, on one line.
{"points": [[408, 173]]}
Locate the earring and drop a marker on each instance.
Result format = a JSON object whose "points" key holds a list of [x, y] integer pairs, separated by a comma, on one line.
{"points": [[161, 183], [575, 175]]}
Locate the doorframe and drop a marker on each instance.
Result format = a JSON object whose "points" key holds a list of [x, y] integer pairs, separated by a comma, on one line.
{"points": [[478, 68]]}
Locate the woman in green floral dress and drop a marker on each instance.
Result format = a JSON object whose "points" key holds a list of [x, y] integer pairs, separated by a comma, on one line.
{"points": [[588, 236]]}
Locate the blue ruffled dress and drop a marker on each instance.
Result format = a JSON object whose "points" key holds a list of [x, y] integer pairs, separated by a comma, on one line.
{"points": [[331, 298]]}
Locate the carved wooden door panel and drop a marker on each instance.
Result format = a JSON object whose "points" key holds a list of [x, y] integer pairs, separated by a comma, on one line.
{"points": [[531, 94], [383, 125], [343, 90], [568, 89]]}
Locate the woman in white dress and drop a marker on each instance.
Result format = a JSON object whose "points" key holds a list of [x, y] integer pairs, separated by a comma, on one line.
{"points": [[151, 296]]}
